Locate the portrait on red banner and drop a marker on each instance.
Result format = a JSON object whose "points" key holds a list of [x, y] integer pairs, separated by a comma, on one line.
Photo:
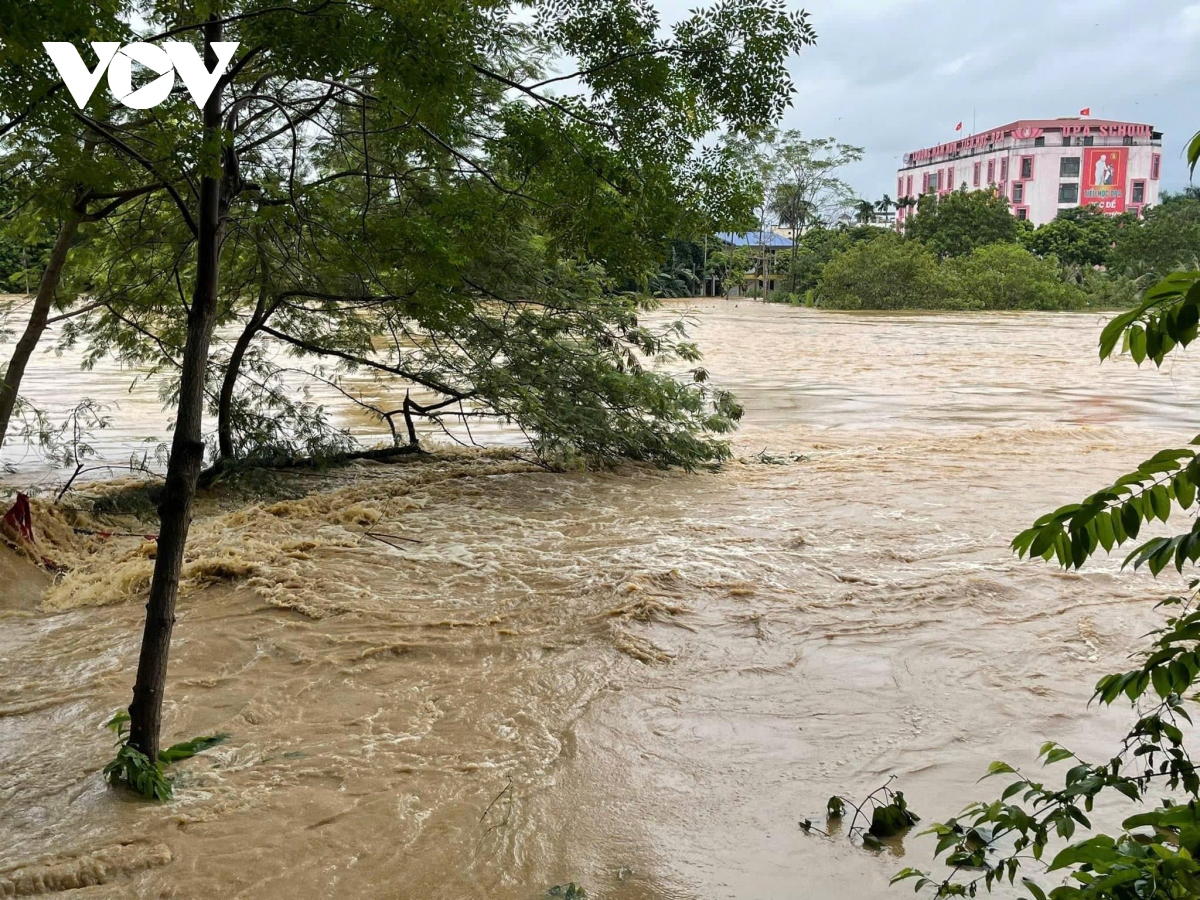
{"points": [[1103, 178]]}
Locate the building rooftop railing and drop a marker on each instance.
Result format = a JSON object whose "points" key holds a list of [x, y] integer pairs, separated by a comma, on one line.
{"points": [[1054, 143]]}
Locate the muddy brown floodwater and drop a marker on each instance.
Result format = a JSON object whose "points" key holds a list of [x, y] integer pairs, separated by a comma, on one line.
{"points": [[635, 681]]}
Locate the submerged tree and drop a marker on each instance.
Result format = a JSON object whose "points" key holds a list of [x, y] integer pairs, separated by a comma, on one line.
{"points": [[415, 172]]}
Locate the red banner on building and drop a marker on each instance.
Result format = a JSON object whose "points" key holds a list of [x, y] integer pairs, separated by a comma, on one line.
{"points": [[1102, 181]]}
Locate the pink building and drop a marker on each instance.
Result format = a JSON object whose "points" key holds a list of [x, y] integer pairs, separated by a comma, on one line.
{"points": [[1044, 165]]}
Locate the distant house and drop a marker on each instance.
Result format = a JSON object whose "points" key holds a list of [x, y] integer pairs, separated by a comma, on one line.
{"points": [[757, 282]]}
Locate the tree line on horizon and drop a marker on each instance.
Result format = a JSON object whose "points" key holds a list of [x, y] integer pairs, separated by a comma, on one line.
{"points": [[963, 250]]}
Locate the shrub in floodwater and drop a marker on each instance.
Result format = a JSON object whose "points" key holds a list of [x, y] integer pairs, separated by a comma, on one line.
{"points": [[888, 817], [570, 891], [892, 272], [886, 273], [1007, 276], [132, 768]]}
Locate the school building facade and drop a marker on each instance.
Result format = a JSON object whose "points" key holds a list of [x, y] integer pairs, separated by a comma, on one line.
{"points": [[1042, 166]]}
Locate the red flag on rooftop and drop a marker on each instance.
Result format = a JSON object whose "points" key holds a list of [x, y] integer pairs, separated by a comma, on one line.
{"points": [[1086, 111], [958, 127]]}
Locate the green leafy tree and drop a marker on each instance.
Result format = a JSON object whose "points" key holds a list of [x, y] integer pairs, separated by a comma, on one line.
{"points": [[801, 179], [1007, 276], [1081, 236], [958, 222], [58, 181], [886, 273], [731, 265], [815, 248], [891, 272]]}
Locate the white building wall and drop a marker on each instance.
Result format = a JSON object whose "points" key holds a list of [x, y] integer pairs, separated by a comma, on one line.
{"points": [[999, 154]]}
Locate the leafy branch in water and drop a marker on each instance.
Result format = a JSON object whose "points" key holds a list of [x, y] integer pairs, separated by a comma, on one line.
{"points": [[132, 768], [884, 813]]}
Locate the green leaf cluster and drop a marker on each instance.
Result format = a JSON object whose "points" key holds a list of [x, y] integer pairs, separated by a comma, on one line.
{"points": [[956, 223], [132, 769]]}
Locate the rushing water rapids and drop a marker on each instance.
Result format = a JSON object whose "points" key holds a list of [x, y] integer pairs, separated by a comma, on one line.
{"points": [[637, 681]]}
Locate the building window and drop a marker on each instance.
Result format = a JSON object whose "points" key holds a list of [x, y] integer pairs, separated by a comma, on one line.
{"points": [[1039, 142], [1004, 170], [1139, 192], [976, 175], [1089, 141], [991, 171], [1022, 213], [1018, 192], [1128, 141], [1066, 140], [899, 187], [1068, 192], [1068, 167], [1026, 167], [925, 183], [1155, 166], [909, 193]]}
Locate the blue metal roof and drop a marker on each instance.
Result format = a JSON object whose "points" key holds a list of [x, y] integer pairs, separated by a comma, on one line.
{"points": [[755, 239]]}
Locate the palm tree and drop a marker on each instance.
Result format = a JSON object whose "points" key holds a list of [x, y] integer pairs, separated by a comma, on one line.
{"points": [[886, 203], [864, 212], [794, 211], [906, 203]]}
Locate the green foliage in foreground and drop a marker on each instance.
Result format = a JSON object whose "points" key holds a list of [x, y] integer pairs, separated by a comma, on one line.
{"points": [[1154, 856], [132, 769], [898, 273]]}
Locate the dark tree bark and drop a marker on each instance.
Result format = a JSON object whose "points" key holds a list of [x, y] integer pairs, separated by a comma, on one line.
{"points": [[36, 326], [262, 312], [187, 448]]}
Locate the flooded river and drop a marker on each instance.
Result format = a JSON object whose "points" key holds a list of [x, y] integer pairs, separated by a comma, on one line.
{"points": [[636, 681]]}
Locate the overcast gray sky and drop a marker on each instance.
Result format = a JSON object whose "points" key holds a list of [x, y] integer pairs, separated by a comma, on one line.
{"points": [[898, 75]]}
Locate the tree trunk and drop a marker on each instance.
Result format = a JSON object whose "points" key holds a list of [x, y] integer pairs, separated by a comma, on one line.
{"points": [[795, 240], [232, 371], [187, 447], [36, 326]]}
